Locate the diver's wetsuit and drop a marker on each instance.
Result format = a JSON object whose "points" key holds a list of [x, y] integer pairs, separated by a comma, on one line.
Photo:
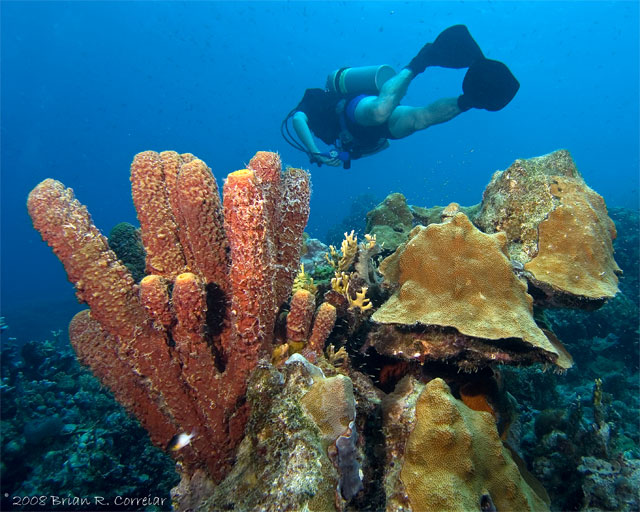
{"points": [[330, 115], [488, 84]]}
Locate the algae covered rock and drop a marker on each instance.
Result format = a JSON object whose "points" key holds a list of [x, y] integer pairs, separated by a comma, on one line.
{"points": [[449, 457], [557, 227], [299, 450], [436, 214], [390, 221]]}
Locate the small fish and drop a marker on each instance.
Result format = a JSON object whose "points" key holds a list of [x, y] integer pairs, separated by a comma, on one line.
{"points": [[179, 441]]}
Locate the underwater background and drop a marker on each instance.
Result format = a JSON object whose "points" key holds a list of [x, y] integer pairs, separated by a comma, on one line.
{"points": [[87, 85]]}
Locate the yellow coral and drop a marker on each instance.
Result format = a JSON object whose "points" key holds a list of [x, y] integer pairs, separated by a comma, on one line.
{"points": [[341, 261], [338, 358], [361, 302], [340, 283], [369, 243], [332, 257], [303, 281], [597, 392], [349, 250]]}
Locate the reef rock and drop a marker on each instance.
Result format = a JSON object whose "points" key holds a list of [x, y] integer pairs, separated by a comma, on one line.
{"points": [[458, 296], [444, 456], [435, 214], [299, 451], [557, 227], [390, 222]]}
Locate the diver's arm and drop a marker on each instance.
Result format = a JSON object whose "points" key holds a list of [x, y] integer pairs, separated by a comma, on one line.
{"points": [[301, 126]]}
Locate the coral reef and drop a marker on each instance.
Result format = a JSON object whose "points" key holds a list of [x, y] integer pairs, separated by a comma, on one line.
{"points": [[557, 227], [280, 370], [293, 456], [390, 222], [433, 215], [64, 435], [198, 352], [465, 284], [452, 458]]}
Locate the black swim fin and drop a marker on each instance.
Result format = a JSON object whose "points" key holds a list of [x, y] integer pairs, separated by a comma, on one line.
{"points": [[488, 84], [453, 48]]}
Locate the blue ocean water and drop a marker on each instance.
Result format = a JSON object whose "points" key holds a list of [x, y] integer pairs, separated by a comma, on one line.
{"points": [[87, 85]]}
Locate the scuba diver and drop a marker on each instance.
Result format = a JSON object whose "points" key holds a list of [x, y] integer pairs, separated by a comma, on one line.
{"points": [[359, 111]]}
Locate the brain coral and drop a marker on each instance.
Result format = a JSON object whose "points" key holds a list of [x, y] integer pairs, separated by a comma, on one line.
{"points": [[453, 275], [454, 460]]}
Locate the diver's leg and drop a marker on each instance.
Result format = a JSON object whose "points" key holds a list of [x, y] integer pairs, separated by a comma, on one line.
{"points": [[406, 120], [375, 110]]}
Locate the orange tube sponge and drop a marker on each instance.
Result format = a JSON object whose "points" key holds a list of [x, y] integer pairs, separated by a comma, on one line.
{"points": [[190, 307], [251, 276], [171, 164], [286, 199], [157, 224], [323, 324], [105, 284], [96, 348], [200, 218], [294, 214], [303, 304], [178, 366], [154, 296], [199, 370], [101, 280], [267, 170]]}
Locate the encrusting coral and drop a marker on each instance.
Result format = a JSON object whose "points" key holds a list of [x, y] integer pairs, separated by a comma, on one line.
{"points": [[451, 275], [180, 360], [450, 457], [557, 227], [575, 253]]}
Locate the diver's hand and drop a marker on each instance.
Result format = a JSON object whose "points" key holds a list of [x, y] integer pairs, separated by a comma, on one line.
{"points": [[327, 160]]}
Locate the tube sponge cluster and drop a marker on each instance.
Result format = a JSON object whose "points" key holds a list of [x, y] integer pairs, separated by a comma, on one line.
{"points": [[177, 349]]}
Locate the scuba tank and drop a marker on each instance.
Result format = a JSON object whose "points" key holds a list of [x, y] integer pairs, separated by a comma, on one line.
{"points": [[361, 80]]}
